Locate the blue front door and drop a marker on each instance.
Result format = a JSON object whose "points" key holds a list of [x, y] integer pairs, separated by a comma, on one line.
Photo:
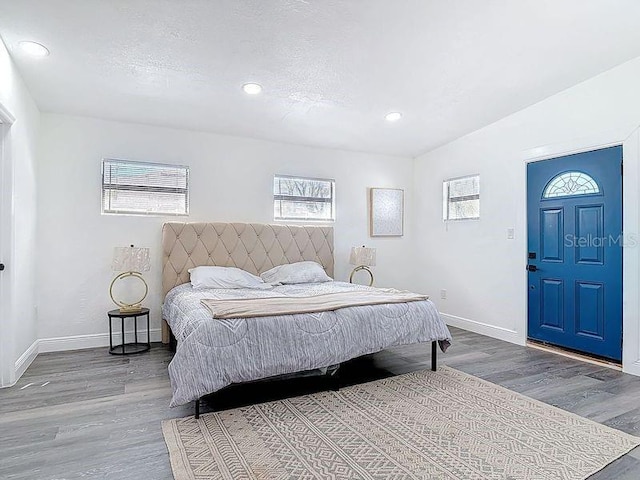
{"points": [[574, 210]]}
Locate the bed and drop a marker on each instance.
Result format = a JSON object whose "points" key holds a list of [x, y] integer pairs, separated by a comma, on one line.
{"points": [[213, 353]]}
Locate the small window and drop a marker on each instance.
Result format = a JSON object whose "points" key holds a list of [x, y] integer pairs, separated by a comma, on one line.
{"points": [[297, 198], [144, 188], [569, 184], [461, 198]]}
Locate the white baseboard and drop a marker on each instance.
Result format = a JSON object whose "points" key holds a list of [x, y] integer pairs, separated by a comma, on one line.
{"points": [[73, 342], [500, 333], [78, 342], [632, 368], [25, 359]]}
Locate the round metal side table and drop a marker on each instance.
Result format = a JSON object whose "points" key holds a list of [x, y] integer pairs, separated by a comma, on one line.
{"points": [[132, 347]]}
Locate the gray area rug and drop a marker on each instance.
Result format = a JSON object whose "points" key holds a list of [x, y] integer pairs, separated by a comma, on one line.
{"points": [[428, 425]]}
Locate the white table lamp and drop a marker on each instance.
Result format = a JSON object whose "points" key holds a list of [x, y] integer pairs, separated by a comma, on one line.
{"points": [[363, 257], [131, 261]]}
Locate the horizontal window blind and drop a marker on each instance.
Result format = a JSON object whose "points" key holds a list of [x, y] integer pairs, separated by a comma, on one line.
{"points": [[461, 198], [144, 188], [298, 198]]}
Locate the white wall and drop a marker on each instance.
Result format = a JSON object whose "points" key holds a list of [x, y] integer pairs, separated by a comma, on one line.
{"points": [[481, 270], [231, 180], [18, 328]]}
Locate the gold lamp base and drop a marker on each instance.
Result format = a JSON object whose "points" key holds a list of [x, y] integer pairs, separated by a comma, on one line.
{"points": [[129, 307], [357, 269]]}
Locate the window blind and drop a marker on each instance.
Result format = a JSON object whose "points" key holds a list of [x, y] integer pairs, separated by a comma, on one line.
{"points": [[461, 198], [144, 188], [299, 198]]}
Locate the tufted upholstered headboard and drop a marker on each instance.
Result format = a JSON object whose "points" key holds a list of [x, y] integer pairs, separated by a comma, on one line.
{"points": [[253, 247]]}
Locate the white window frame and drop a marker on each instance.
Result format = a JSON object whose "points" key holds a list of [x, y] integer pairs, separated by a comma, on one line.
{"points": [[446, 200], [146, 188], [332, 200]]}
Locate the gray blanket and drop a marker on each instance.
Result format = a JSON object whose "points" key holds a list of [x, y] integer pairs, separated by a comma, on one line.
{"points": [[213, 354]]}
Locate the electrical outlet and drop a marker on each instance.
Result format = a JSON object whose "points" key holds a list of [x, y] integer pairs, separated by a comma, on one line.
{"points": [[511, 233], [443, 294]]}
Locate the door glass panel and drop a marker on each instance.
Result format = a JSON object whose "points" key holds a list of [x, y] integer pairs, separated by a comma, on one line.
{"points": [[571, 183]]}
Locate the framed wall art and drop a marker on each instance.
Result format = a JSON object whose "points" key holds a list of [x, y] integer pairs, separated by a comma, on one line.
{"points": [[386, 212]]}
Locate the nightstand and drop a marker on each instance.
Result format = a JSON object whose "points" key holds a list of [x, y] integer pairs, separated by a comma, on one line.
{"points": [[132, 347]]}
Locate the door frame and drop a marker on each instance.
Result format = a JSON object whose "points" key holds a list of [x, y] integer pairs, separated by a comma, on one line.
{"points": [[629, 138], [7, 362]]}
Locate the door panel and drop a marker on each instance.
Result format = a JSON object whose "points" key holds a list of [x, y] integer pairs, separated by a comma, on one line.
{"points": [[552, 304], [552, 234], [590, 228], [590, 313], [574, 210]]}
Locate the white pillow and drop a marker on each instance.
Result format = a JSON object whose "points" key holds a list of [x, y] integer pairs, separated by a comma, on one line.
{"points": [[224, 277], [299, 272]]}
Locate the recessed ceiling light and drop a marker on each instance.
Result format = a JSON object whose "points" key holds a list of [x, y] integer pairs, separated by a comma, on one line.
{"points": [[34, 49], [252, 88], [393, 116]]}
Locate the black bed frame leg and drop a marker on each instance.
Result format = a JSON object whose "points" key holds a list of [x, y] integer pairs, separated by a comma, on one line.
{"points": [[434, 356], [197, 415]]}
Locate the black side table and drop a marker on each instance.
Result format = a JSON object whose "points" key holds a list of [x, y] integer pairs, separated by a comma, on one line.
{"points": [[135, 346]]}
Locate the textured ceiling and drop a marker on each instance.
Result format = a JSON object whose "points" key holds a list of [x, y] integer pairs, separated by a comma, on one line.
{"points": [[330, 69]]}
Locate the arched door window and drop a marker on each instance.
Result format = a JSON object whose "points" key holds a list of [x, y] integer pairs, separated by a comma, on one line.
{"points": [[569, 184]]}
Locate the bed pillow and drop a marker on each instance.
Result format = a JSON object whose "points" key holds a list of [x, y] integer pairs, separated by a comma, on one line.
{"points": [[224, 277], [299, 272]]}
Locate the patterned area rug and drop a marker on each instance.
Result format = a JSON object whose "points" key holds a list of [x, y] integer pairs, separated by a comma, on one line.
{"points": [[428, 425]]}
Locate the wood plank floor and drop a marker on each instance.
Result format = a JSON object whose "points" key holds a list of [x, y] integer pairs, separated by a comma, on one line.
{"points": [[87, 414]]}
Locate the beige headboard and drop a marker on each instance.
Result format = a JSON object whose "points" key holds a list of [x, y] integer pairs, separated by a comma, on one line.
{"points": [[253, 247]]}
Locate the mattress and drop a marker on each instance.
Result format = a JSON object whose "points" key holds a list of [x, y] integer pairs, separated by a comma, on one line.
{"points": [[214, 353]]}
